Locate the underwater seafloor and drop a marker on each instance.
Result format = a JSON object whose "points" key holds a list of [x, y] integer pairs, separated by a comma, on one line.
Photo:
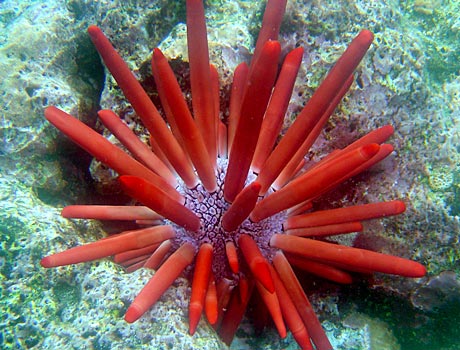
{"points": [[410, 78]]}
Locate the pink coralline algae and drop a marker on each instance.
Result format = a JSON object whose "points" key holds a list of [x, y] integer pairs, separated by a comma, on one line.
{"points": [[227, 199]]}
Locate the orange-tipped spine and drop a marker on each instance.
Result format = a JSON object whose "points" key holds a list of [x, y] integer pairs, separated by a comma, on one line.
{"points": [[143, 105], [257, 94], [152, 196], [345, 214], [109, 246], [160, 282], [241, 207], [193, 139], [200, 284], [355, 258], [109, 212], [312, 183], [258, 265], [200, 76], [314, 109], [138, 148], [301, 302]]}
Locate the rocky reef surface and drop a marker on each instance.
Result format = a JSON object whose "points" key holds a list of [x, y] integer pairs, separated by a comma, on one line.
{"points": [[410, 79]]}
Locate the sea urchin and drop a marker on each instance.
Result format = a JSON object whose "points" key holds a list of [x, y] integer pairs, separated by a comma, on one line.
{"points": [[225, 198]]}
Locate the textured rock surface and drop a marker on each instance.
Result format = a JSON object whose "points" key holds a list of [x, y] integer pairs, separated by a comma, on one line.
{"points": [[407, 79]]}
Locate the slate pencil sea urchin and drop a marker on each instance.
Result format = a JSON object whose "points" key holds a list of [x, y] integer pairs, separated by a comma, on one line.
{"points": [[225, 198]]}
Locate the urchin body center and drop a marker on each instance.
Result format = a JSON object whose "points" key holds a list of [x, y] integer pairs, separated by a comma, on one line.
{"points": [[210, 207]]}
